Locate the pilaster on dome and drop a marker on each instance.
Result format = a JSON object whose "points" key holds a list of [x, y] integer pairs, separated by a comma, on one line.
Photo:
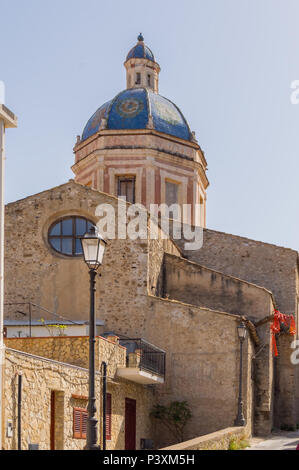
{"points": [[142, 69]]}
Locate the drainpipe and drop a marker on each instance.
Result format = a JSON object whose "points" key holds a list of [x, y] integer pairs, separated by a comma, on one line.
{"points": [[104, 391], [20, 411]]}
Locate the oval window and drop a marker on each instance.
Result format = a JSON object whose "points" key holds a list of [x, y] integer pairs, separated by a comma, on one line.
{"points": [[64, 235]]}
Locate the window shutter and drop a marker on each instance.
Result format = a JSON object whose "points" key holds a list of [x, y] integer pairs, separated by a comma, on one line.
{"points": [[76, 424], [108, 417], [80, 417], [84, 417]]}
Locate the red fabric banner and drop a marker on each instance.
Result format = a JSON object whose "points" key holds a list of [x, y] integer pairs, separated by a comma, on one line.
{"points": [[280, 318]]}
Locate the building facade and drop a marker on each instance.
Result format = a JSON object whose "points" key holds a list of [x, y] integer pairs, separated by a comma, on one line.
{"points": [[186, 304], [54, 395]]}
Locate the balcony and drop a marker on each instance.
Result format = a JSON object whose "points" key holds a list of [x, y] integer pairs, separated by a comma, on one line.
{"points": [[145, 363]]}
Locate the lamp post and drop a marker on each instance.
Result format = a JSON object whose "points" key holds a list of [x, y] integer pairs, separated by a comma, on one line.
{"points": [[93, 247], [240, 420]]}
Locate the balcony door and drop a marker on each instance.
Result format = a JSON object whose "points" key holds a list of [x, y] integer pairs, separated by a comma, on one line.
{"points": [[130, 424]]}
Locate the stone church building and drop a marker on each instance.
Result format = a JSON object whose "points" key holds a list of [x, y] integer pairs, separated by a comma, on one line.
{"points": [[184, 304]]}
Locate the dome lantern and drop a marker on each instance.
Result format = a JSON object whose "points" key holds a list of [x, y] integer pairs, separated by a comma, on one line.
{"points": [[142, 69]]}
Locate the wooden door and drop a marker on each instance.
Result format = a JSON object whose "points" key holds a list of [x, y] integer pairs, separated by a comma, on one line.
{"points": [[130, 424]]}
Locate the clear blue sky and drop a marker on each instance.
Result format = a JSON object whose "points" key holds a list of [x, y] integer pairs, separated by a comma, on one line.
{"points": [[228, 64]]}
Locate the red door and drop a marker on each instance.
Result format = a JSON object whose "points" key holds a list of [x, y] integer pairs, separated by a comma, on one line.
{"points": [[130, 424]]}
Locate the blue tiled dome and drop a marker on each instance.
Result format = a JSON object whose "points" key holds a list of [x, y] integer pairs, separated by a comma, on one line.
{"points": [[132, 108], [140, 51]]}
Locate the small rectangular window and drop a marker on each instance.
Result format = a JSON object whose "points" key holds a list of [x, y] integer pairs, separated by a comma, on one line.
{"points": [[80, 417], [126, 187], [171, 193], [138, 78], [108, 417], [149, 80]]}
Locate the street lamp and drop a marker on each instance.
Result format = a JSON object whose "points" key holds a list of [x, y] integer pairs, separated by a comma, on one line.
{"points": [[240, 420], [93, 247]]}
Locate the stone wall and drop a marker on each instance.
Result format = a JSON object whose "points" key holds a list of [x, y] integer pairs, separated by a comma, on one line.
{"points": [[263, 376], [269, 266], [286, 385], [41, 377], [73, 350], [219, 440], [156, 251], [195, 284], [202, 364], [35, 272], [276, 269]]}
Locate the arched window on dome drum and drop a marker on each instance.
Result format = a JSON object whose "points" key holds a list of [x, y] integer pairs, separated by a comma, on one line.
{"points": [[148, 80], [64, 235]]}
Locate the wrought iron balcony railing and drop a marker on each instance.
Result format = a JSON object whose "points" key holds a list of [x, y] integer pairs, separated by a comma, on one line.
{"points": [[144, 355]]}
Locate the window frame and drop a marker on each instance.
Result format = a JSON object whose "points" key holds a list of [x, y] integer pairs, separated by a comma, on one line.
{"points": [[138, 78], [82, 413], [73, 235], [126, 179], [178, 187]]}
